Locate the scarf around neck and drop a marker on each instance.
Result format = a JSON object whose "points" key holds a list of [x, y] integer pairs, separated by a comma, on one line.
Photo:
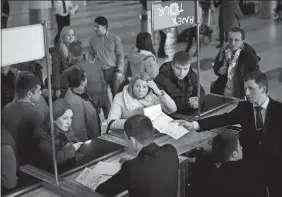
{"points": [[133, 103]]}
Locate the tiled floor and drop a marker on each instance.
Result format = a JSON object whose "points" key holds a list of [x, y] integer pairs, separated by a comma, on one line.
{"points": [[264, 35]]}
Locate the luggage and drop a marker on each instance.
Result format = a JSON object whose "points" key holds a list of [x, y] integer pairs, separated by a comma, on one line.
{"points": [[247, 8]]}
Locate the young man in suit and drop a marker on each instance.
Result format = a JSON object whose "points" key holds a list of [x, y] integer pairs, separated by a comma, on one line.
{"points": [[261, 135], [235, 176], [153, 173]]}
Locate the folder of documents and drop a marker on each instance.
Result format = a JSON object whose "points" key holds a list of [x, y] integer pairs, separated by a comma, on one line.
{"points": [[101, 173], [163, 123]]}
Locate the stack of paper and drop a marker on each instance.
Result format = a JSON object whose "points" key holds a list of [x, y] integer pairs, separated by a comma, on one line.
{"points": [[101, 172], [163, 123]]}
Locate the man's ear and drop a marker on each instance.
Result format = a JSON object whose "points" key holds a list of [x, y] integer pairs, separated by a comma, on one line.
{"points": [[234, 154], [29, 94]]}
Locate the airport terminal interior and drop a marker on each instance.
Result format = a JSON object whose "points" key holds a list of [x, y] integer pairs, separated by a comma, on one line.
{"points": [[262, 26]]}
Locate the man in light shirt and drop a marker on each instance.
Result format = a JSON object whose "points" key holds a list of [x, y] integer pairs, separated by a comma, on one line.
{"points": [[106, 50], [261, 134], [63, 12]]}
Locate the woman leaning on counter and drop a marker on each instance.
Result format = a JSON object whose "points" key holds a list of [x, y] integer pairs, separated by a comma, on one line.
{"points": [[142, 92], [64, 136]]}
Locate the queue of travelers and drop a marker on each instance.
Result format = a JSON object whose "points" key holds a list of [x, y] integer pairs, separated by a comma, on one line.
{"points": [[79, 86]]}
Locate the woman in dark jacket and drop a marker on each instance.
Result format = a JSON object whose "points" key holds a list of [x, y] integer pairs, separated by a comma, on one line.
{"points": [[64, 136], [61, 60]]}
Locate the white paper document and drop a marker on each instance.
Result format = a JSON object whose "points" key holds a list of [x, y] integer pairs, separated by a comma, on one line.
{"points": [[107, 168], [101, 173], [163, 123]]}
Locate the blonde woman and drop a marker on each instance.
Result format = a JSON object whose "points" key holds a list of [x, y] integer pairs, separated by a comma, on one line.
{"points": [[142, 92]]}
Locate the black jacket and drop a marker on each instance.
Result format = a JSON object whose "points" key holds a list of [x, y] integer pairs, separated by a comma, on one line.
{"points": [[153, 173], [247, 62], [167, 81], [265, 149], [236, 178]]}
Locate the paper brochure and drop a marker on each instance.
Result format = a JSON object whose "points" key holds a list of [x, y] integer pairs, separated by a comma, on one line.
{"points": [[101, 173], [163, 123]]}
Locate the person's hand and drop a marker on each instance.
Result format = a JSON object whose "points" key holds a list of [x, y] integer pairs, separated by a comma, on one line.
{"points": [[154, 87], [187, 125], [222, 70], [67, 145], [194, 102], [58, 93]]}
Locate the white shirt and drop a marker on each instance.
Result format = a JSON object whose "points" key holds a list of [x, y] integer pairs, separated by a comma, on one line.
{"points": [[263, 113], [60, 9]]}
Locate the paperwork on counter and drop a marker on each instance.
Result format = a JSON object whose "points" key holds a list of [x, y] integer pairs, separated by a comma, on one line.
{"points": [[101, 173], [163, 123]]}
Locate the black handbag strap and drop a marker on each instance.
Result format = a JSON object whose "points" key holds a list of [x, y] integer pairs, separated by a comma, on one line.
{"points": [[109, 126]]}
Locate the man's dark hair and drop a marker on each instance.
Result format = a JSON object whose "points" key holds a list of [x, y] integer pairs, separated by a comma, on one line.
{"points": [[26, 83], [223, 146], [75, 77], [101, 20], [259, 78], [237, 29], [181, 58], [139, 127]]}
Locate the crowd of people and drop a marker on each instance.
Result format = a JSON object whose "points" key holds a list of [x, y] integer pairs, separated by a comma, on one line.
{"points": [[80, 82]]}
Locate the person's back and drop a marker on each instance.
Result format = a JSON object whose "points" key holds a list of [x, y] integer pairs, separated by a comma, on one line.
{"points": [[21, 117], [143, 61], [235, 176], [153, 173]]}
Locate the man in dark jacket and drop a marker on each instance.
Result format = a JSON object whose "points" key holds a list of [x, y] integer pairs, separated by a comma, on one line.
{"points": [[96, 85], [153, 173], [235, 176], [179, 81], [261, 136], [233, 62]]}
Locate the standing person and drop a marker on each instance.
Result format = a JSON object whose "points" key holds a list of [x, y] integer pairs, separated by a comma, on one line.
{"points": [[161, 51], [154, 170], [61, 60], [106, 50], [142, 58], [193, 31], [96, 85], [64, 10], [7, 86], [261, 136], [5, 12], [230, 15], [21, 117], [233, 62], [86, 123]]}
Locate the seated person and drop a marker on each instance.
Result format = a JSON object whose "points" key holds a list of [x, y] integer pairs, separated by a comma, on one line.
{"points": [[235, 176], [179, 81], [153, 173], [233, 62], [142, 92], [86, 121], [41, 104], [21, 118], [9, 164], [64, 136], [7, 86]]}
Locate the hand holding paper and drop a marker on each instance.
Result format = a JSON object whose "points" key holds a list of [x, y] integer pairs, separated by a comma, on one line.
{"points": [[163, 123]]}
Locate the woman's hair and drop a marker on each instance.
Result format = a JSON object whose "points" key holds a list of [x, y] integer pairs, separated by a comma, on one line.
{"points": [[144, 42], [143, 76], [64, 32]]}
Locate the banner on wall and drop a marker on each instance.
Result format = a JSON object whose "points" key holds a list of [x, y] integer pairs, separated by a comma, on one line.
{"points": [[173, 14]]}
